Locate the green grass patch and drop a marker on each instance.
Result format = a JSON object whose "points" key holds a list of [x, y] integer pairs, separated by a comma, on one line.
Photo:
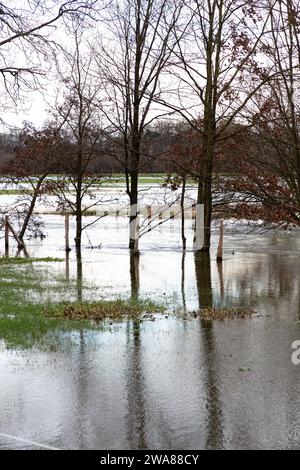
{"points": [[39, 305], [15, 260], [25, 290], [14, 192]]}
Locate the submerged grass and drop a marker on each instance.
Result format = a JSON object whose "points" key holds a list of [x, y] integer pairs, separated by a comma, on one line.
{"points": [[222, 313], [34, 312], [22, 322], [110, 309]]}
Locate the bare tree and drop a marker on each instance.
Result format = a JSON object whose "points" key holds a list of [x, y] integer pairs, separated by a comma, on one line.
{"points": [[132, 61], [217, 73], [26, 38], [26, 172], [81, 130]]}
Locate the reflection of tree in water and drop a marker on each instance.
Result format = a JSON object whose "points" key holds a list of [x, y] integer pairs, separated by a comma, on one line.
{"points": [[135, 374], [214, 438], [82, 388], [272, 275], [183, 281], [136, 415]]}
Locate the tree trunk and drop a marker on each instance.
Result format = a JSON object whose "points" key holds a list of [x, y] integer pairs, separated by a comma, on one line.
{"points": [[208, 140], [78, 215], [133, 205], [203, 279], [134, 174], [183, 237], [220, 245], [31, 207], [79, 274], [205, 185], [134, 275]]}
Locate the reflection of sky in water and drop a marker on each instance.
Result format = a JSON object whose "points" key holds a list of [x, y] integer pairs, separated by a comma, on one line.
{"points": [[169, 383], [262, 266]]}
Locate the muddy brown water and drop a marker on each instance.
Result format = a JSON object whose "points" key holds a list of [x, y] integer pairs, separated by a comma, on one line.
{"points": [[171, 383]]}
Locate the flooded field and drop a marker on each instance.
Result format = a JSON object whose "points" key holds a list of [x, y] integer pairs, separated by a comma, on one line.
{"points": [[175, 382]]}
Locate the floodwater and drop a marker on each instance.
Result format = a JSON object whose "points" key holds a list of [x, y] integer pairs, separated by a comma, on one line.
{"points": [[173, 382]]}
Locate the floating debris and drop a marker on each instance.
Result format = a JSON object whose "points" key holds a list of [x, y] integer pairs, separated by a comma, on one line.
{"points": [[244, 369]]}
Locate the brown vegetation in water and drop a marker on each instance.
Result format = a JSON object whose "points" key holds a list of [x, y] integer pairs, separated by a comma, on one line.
{"points": [[214, 313], [103, 310]]}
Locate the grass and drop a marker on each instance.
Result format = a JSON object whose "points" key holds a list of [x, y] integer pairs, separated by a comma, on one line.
{"points": [[13, 192], [17, 260], [22, 322], [105, 181], [38, 308]]}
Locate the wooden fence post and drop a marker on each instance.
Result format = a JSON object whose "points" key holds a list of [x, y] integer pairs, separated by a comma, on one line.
{"points": [[193, 211], [220, 245]]}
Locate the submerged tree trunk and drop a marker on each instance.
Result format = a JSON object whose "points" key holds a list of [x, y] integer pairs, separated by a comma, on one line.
{"points": [[220, 245], [78, 211], [136, 137], [208, 137], [183, 237], [204, 195], [133, 203], [79, 274], [183, 281], [134, 275], [203, 279]]}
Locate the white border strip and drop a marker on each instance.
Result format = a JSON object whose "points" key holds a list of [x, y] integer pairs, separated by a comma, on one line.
{"points": [[27, 441]]}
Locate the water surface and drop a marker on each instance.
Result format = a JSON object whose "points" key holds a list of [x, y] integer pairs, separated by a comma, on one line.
{"points": [[173, 382]]}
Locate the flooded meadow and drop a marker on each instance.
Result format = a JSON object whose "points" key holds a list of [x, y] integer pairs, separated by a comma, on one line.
{"points": [[171, 381]]}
